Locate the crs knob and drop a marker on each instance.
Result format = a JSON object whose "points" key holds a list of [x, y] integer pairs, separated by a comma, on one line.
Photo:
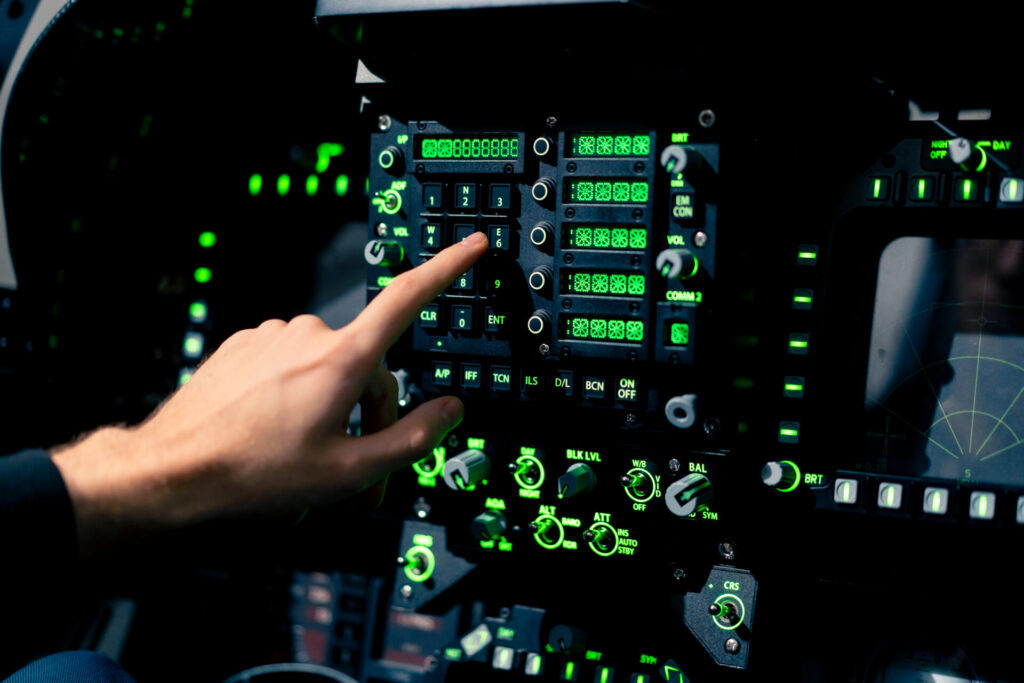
{"points": [[782, 475], [488, 525], [542, 235], [683, 497], [677, 263], [544, 189], [391, 160], [539, 323], [466, 469], [540, 279], [383, 253]]}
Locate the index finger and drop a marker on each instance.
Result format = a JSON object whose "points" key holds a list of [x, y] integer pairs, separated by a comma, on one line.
{"points": [[384, 319]]}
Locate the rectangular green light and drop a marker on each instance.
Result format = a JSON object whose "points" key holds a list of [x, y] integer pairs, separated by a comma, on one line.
{"points": [[197, 312], [808, 255], [797, 344], [877, 188], [341, 185], [794, 387], [255, 184], [922, 186], [533, 664], [606, 674], [312, 184], [570, 669], [467, 148], [967, 188], [284, 182], [802, 299], [788, 432]]}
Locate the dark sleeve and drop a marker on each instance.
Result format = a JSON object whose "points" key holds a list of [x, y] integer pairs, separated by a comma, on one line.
{"points": [[37, 522]]}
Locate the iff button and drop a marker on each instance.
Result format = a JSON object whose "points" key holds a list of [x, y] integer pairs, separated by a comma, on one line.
{"points": [[626, 389], [442, 373], [471, 375]]}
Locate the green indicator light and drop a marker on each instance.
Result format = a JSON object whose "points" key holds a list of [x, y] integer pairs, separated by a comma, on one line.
{"points": [[193, 345], [341, 185], [810, 255], [877, 190], [936, 502], [197, 312], [788, 432], [967, 188], [207, 239], [802, 299], [606, 674], [386, 159], [890, 496], [847, 492], [425, 540], [794, 387], [504, 658], [505, 633], [983, 506], [312, 184], [183, 377], [453, 653], [1013, 185], [325, 151], [284, 182], [640, 678], [570, 669], [384, 281], [797, 344], [202, 275], [475, 443], [921, 186], [366, 186], [533, 663], [255, 184]]}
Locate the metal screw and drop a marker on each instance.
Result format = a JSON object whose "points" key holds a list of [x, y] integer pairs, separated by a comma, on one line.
{"points": [[674, 358], [544, 349], [679, 574], [727, 549], [402, 561], [567, 304], [632, 355], [706, 118], [639, 167], [508, 169], [732, 646], [432, 663], [565, 352], [700, 238], [383, 124], [422, 508], [674, 465], [453, 441], [571, 167], [505, 613], [711, 427], [551, 121], [634, 307], [568, 258], [588, 535], [570, 212], [630, 419], [420, 169], [406, 591], [638, 214], [636, 260], [382, 229]]}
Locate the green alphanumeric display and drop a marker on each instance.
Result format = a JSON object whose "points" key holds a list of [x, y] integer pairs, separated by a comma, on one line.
{"points": [[677, 333], [601, 237], [602, 328], [587, 144], [467, 148], [603, 283], [606, 191]]}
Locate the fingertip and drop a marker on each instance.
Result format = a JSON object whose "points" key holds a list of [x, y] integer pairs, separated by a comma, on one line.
{"points": [[476, 240], [453, 411]]}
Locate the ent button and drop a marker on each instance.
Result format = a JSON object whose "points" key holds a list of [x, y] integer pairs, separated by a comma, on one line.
{"points": [[493, 322]]}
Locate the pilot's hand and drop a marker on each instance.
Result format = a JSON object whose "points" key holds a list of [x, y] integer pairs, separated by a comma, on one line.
{"points": [[261, 426]]}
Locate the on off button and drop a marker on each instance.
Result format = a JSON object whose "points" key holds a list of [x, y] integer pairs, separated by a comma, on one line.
{"points": [[626, 390]]}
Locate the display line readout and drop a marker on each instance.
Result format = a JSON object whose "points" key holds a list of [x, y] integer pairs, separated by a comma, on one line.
{"points": [[623, 144], [601, 328], [602, 283], [606, 191], [467, 147], [603, 237]]}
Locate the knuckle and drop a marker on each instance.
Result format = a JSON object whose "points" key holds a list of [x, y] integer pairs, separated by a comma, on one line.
{"points": [[307, 321], [270, 325]]}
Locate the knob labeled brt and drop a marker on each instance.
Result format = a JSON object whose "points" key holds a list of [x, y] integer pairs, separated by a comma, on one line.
{"points": [[466, 469]]}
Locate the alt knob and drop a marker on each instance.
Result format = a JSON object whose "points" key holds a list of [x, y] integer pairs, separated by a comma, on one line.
{"points": [[677, 263], [781, 475], [540, 279], [383, 253], [543, 235], [466, 469], [579, 478], [391, 160], [539, 323], [544, 189], [488, 525], [683, 497]]}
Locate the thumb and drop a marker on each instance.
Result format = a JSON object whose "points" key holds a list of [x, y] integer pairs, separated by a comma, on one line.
{"points": [[409, 439]]}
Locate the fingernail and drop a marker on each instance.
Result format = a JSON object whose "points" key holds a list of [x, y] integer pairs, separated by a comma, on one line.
{"points": [[475, 238], [453, 411]]}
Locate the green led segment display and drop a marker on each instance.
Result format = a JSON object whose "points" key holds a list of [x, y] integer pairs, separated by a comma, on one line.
{"points": [[588, 144], [603, 283], [602, 329], [467, 148], [677, 333], [601, 237], [606, 191]]}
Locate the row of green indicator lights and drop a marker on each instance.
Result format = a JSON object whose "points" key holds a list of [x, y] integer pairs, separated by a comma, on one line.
{"points": [[283, 185], [198, 311]]}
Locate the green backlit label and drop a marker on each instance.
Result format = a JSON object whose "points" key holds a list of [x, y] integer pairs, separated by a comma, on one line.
{"points": [[505, 633], [602, 329], [606, 191], [423, 539], [467, 147], [622, 144], [475, 443], [604, 283], [604, 237], [676, 333]]}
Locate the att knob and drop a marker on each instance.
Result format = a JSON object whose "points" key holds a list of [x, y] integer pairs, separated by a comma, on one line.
{"points": [[383, 253], [683, 497], [466, 469]]}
